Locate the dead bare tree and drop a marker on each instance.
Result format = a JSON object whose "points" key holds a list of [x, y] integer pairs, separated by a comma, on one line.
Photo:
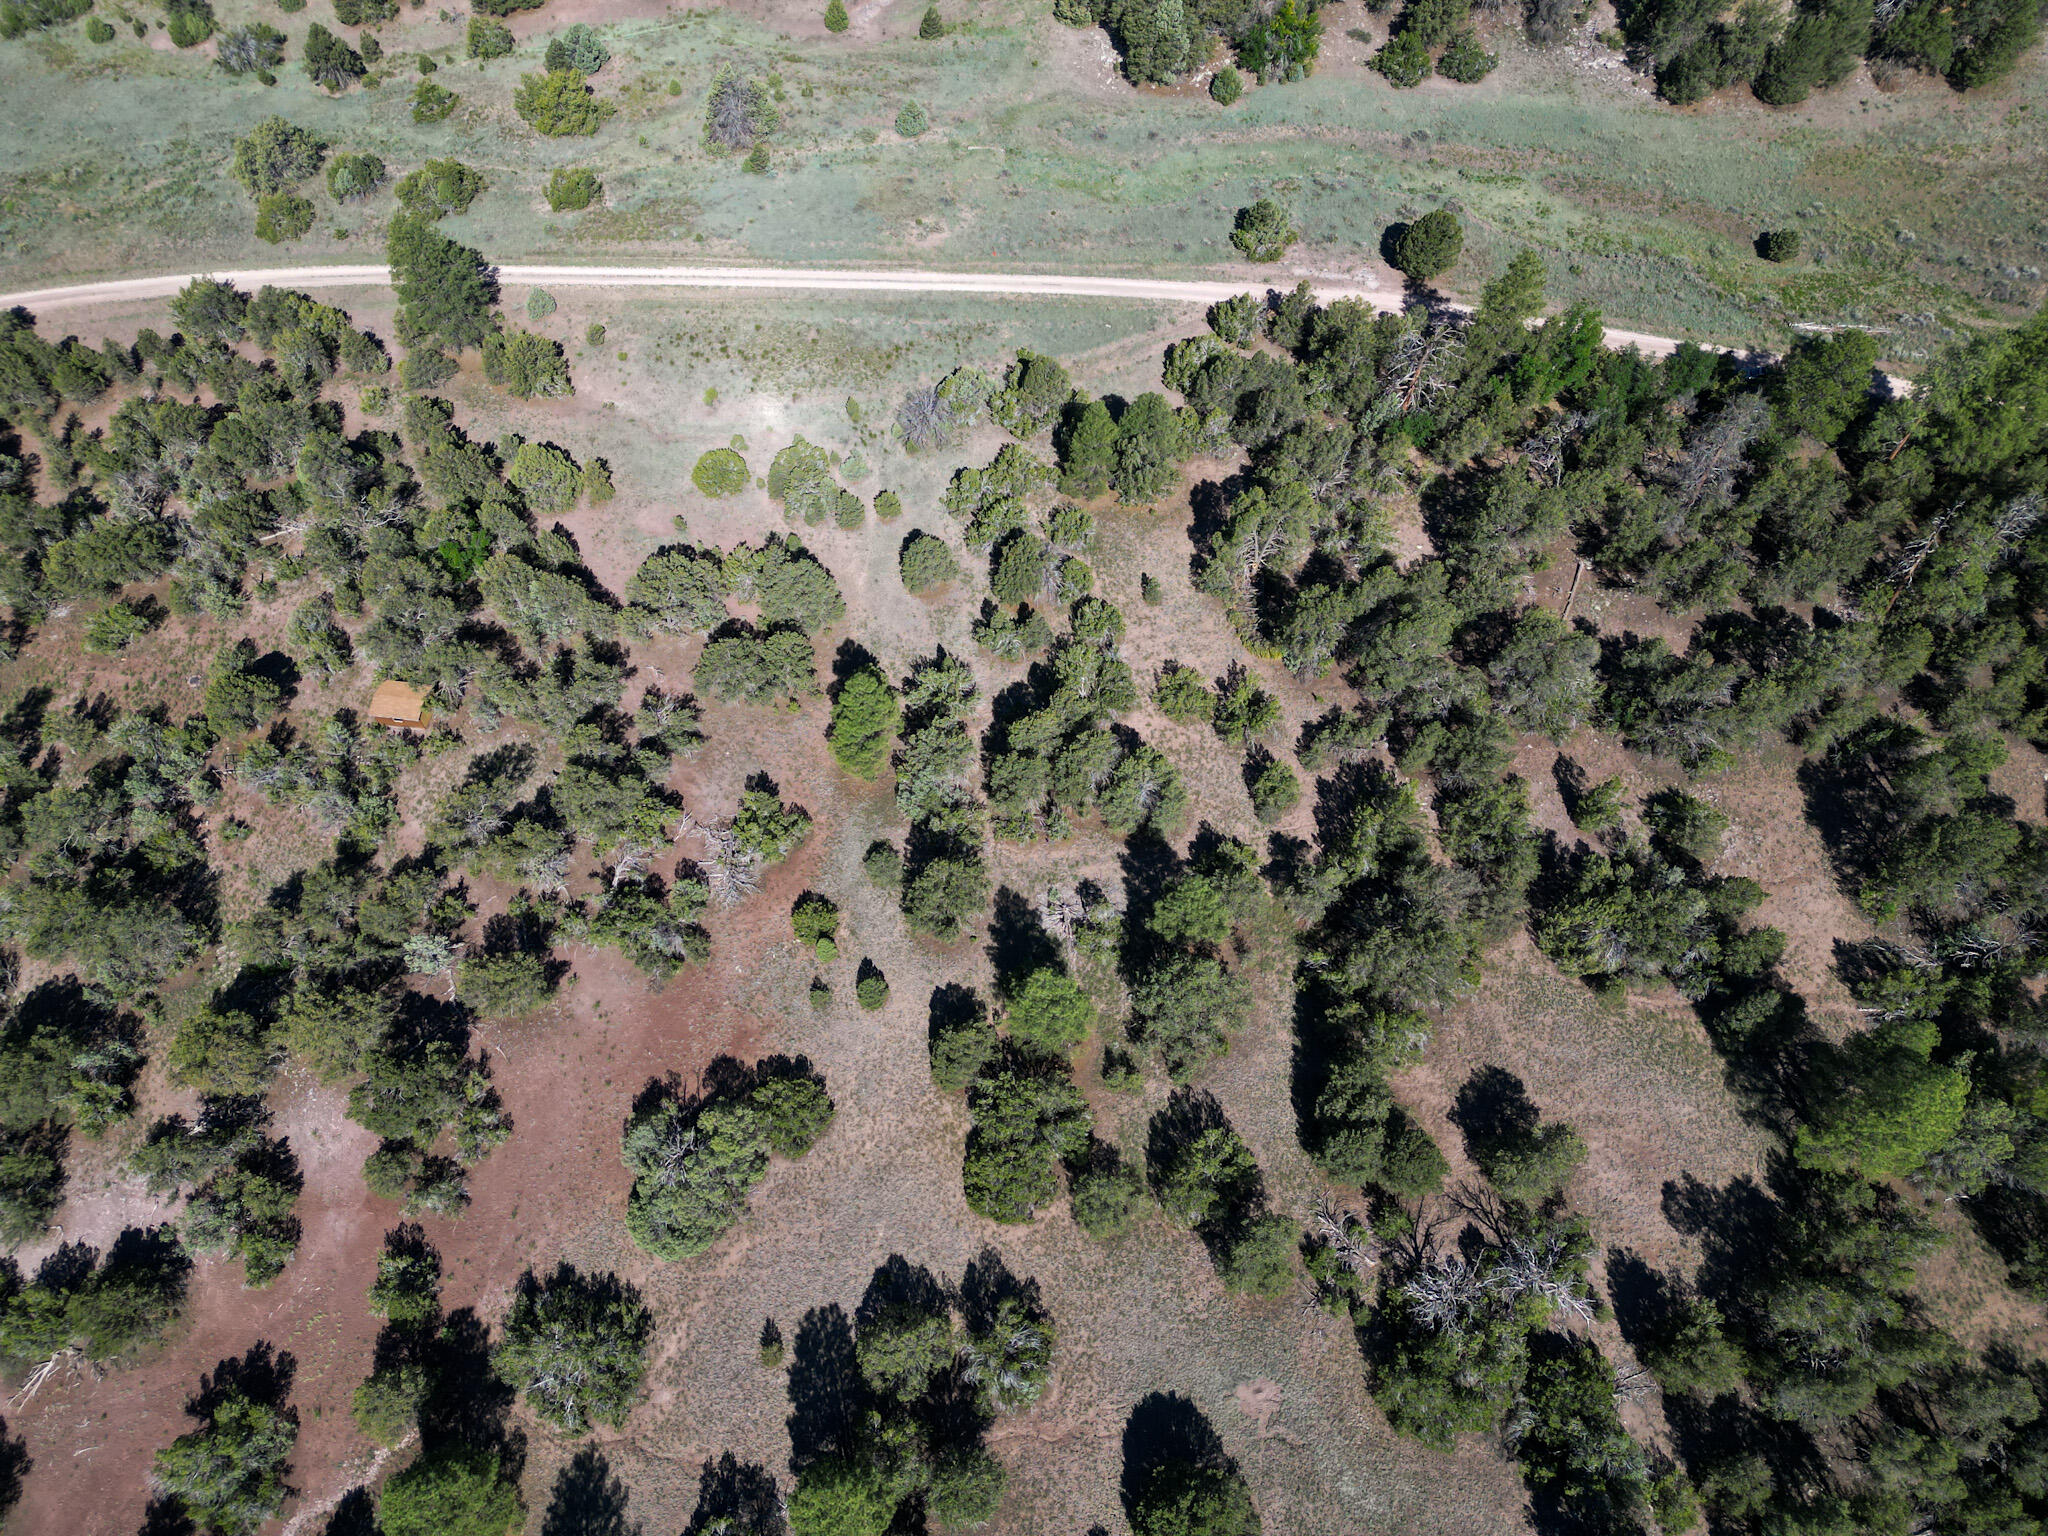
{"points": [[1423, 364], [732, 871]]}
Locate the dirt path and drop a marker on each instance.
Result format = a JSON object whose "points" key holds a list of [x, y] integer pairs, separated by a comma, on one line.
{"points": [[855, 280]]}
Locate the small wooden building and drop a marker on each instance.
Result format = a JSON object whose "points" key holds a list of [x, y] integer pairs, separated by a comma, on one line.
{"points": [[399, 705]]}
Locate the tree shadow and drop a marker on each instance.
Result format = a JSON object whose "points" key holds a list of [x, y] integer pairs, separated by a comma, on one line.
{"points": [[588, 1499], [1164, 1429], [737, 1496], [954, 1006], [849, 658], [1017, 941], [988, 1283], [899, 1286], [1737, 1226], [827, 1393], [469, 1403], [355, 1515], [1493, 1109], [1643, 1297], [15, 1465], [165, 1516], [261, 1374]]}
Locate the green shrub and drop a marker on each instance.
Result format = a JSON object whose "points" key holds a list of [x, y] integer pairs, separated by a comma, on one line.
{"points": [[1429, 246], [489, 39], [933, 26], [1404, 60], [756, 163], [572, 190], [559, 104], [1463, 60], [1778, 245], [576, 1346], [252, 50], [275, 156], [19, 17], [455, 1489], [353, 177], [871, 987], [97, 31], [1181, 695], [282, 216], [911, 121], [836, 19], [883, 865], [1048, 1012], [814, 919], [926, 563], [888, 505], [578, 47], [1105, 1201], [432, 102], [1262, 231], [386, 1406], [116, 627], [229, 1474], [794, 1111], [1226, 86], [191, 22], [539, 304], [329, 62], [1275, 790], [720, 472], [865, 718], [1260, 1261], [438, 188]]}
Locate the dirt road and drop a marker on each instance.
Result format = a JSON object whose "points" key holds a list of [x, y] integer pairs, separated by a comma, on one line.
{"points": [[859, 280]]}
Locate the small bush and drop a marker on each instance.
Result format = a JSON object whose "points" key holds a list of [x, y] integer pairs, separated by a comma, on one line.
{"points": [[871, 987], [579, 48], [1404, 60], [720, 472], [926, 563], [282, 216], [539, 304], [1429, 246], [911, 121], [1105, 1201], [1261, 1261], [352, 177], [1274, 789], [1464, 61], [559, 104], [571, 191], [1778, 245], [883, 865], [933, 26], [432, 102], [836, 19], [814, 920], [756, 163], [1262, 231], [1226, 86], [97, 31], [489, 39], [888, 505]]}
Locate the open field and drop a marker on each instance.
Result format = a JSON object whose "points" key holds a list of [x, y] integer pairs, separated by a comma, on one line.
{"points": [[1921, 208]]}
